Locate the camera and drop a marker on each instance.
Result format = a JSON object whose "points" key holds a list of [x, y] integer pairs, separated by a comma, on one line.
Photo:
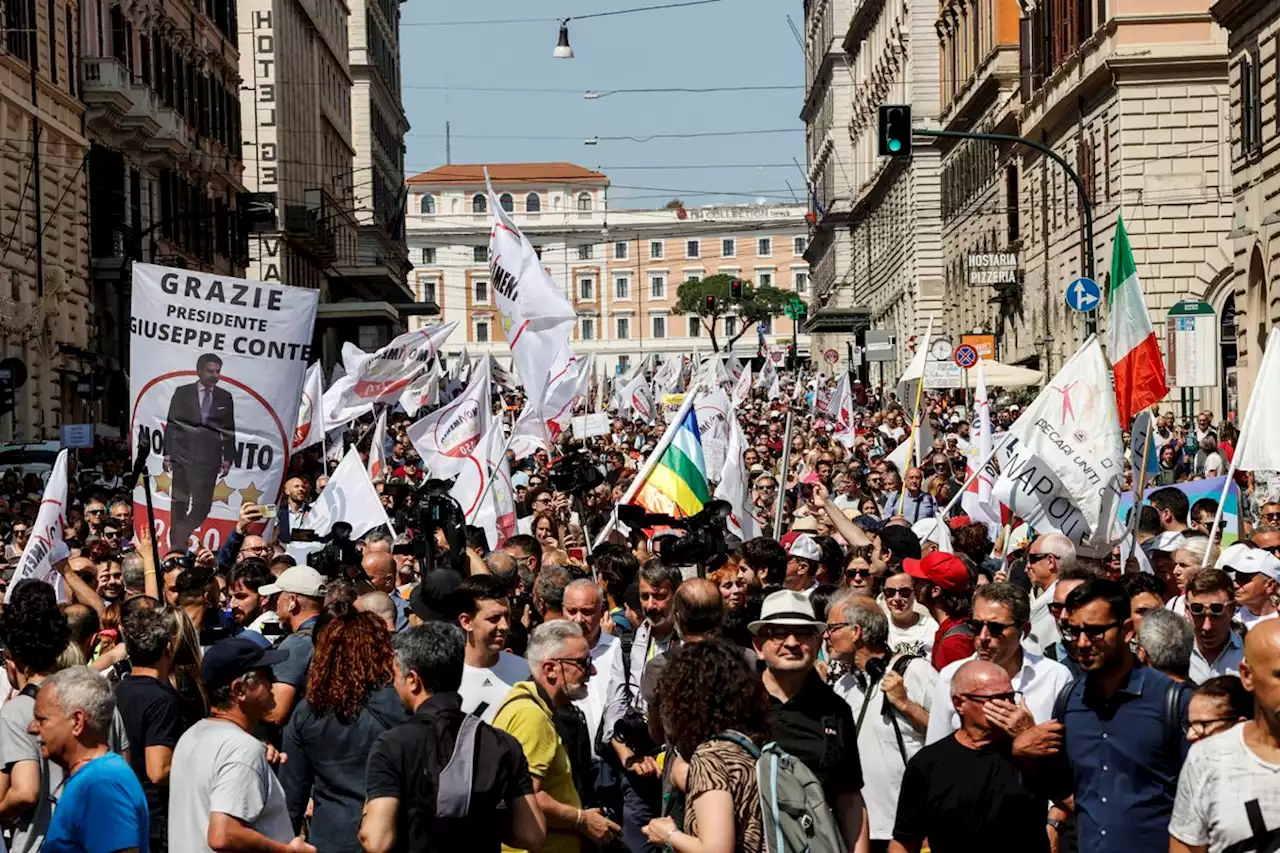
{"points": [[574, 474], [705, 537], [338, 551], [436, 509]]}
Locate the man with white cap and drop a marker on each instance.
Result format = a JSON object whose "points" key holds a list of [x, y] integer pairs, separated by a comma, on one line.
{"points": [[806, 717], [803, 558], [1256, 576], [299, 595]]}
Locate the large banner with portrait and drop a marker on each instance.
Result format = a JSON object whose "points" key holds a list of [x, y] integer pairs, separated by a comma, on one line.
{"points": [[215, 375]]}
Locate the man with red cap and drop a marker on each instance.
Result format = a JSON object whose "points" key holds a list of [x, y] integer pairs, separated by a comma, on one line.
{"points": [[943, 586]]}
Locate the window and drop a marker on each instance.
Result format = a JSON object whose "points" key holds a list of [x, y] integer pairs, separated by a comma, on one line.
{"points": [[71, 53], [1250, 106], [624, 328], [480, 291], [695, 326], [764, 247], [586, 288], [428, 205], [730, 326], [620, 251], [53, 40], [659, 326], [588, 330], [764, 279], [584, 201], [622, 287], [482, 332], [655, 248], [1013, 227], [658, 286], [693, 249], [480, 254], [429, 255], [532, 203], [729, 248], [767, 322], [798, 245], [428, 290], [479, 204], [584, 252], [802, 282]]}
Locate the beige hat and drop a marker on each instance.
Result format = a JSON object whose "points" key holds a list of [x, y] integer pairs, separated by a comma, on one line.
{"points": [[806, 524], [786, 607]]}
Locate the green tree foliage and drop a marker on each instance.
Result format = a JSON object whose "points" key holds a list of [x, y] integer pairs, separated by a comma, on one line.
{"points": [[758, 303]]}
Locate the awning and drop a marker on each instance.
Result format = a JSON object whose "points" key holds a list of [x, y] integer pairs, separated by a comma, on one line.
{"points": [[1009, 376]]}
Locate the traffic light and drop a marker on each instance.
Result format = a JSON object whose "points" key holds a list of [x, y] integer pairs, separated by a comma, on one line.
{"points": [[8, 399], [711, 304], [895, 131], [735, 290]]}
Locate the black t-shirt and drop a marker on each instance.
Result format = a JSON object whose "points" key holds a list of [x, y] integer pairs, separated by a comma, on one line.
{"points": [[816, 726], [406, 763], [152, 715], [965, 799]]}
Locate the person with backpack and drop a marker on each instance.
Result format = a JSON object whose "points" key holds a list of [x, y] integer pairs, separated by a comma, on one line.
{"points": [[1117, 739], [808, 719], [890, 695], [441, 781]]}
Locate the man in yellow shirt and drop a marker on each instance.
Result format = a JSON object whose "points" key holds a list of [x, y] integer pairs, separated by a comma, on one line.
{"points": [[560, 667]]}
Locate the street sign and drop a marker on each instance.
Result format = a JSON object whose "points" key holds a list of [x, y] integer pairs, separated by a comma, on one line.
{"points": [[1083, 295], [77, 436], [1191, 345], [943, 374], [831, 356], [880, 345], [966, 356]]}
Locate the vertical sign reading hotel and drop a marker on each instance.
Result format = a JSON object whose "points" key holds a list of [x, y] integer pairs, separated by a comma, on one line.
{"points": [[258, 116]]}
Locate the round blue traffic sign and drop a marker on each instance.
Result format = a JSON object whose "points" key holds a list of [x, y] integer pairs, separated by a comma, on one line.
{"points": [[1083, 295], [966, 355]]}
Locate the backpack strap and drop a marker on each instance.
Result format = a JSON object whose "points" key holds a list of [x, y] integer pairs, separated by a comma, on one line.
{"points": [[955, 631], [1173, 730], [453, 794], [740, 740], [1060, 701]]}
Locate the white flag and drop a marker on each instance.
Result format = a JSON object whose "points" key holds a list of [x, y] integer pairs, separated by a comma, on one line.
{"points": [[742, 387], [447, 438], [536, 317], [309, 429], [637, 396], [733, 368], [377, 447], [733, 485], [977, 501], [384, 375], [423, 392], [1258, 449], [667, 378], [496, 512], [529, 433], [461, 367], [712, 410], [46, 533], [843, 429], [348, 496]]}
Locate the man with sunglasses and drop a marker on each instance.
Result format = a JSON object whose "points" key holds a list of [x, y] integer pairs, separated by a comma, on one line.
{"points": [[1118, 736], [21, 533], [1000, 622], [806, 717], [1049, 555], [95, 515], [1211, 607], [1255, 572]]}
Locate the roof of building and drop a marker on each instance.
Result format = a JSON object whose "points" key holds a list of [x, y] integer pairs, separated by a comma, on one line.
{"points": [[469, 174]]}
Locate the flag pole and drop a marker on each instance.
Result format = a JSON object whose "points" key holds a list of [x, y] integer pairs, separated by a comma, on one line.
{"points": [[782, 476], [911, 448], [977, 469], [651, 462], [1226, 486]]}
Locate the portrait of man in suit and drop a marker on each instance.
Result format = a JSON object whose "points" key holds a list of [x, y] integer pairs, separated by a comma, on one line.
{"points": [[199, 446]]}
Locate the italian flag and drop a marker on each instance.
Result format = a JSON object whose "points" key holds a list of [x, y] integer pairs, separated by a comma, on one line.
{"points": [[1131, 341]]}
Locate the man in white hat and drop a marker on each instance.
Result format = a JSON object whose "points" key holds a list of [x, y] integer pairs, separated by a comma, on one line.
{"points": [[806, 717], [1256, 576], [299, 595], [803, 558]]}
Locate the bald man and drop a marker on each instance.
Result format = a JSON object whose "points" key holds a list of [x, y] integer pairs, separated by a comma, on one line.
{"points": [[380, 568], [289, 517], [1229, 791], [966, 792], [379, 604]]}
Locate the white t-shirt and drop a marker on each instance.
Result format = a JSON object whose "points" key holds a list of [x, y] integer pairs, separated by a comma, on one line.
{"points": [[1248, 618], [918, 639], [223, 769], [882, 764], [489, 686], [1221, 782], [602, 655]]}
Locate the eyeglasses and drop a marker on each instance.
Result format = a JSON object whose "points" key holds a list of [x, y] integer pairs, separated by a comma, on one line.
{"points": [[767, 487], [995, 629], [1204, 728], [1013, 696], [899, 592], [1071, 633], [1035, 558], [1214, 610], [20, 531], [1272, 515], [581, 663], [836, 626], [783, 632]]}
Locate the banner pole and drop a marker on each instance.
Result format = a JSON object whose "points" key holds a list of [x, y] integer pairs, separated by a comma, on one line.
{"points": [[977, 469], [913, 438], [782, 475]]}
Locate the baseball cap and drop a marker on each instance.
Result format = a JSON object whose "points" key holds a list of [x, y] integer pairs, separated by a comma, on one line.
{"points": [[519, 478], [944, 570], [229, 659], [1254, 561], [433, 599], [299, 580], [805, 547]]}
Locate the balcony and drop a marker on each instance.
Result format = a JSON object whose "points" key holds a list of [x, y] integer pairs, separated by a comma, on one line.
{"points": [[171, 137], [108, 94], [380, 268], [143, 117], [309, 226]]}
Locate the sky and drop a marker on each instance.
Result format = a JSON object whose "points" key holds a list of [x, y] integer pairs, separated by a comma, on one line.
{"points": [[726, 43]]}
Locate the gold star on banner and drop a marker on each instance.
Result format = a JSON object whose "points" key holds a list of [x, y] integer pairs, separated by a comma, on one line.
{"points": [[222, 492], [251, 494], [163, 481]]}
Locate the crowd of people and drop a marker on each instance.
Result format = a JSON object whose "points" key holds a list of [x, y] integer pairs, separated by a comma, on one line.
{"points": [[914, 675]]}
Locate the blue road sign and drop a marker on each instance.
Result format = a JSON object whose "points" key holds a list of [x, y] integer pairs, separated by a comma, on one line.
{"points": [[966, 356], [1083, 295]]}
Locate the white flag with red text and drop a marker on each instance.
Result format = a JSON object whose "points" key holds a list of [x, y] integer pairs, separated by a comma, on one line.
{"points": [[733, 485], [377, 447], [309, 428]]}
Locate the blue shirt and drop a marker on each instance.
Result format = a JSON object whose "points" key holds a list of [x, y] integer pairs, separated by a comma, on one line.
{"points": [[1125, 763], [102, 809]]}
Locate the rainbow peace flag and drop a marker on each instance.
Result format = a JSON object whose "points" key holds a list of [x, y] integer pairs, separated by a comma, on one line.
{"points": [[677, 485]]}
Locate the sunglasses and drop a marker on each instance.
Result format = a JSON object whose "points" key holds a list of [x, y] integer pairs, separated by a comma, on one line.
{"points": [[1071, 633], [902, 592], [995, 629], [1035, 558], [1272, 515], [852, 574], [1013, 696], [95, 512], [783, 632], [1214, 610], [581, 663], [1057, 607]]}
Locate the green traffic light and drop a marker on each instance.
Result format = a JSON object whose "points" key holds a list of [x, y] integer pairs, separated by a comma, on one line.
{"points": [[895, 145]]}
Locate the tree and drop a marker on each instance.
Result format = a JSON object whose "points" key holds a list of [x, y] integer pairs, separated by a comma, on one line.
{"points": [[758, 303], [674, 204]]}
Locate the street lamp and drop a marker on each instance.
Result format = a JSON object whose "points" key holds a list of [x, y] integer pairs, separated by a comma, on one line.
{"points": [[563, 50]]}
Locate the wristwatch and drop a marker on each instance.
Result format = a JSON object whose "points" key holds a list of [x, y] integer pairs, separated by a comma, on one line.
{"points": [[1055, 824]]}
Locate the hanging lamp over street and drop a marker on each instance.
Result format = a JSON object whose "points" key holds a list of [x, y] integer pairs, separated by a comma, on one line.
{"points": [[563, 50]]}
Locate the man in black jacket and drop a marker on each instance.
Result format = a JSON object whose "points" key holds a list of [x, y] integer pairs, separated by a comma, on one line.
{"points": [[200, 445]]}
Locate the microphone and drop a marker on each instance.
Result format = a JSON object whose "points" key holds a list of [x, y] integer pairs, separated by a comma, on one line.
{"points": [[139, 466]]}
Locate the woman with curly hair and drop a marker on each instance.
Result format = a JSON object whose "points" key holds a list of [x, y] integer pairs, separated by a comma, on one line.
{"points": [[709, 699], [350, 700]]}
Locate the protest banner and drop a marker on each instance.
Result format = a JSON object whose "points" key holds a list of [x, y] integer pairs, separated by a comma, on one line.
{"points": [[216, 373], [46, 534]]}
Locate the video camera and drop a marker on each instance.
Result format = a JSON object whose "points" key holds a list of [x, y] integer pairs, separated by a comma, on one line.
{"points": [[338, 552], [574, 474], [705, 537], [436, 509]]}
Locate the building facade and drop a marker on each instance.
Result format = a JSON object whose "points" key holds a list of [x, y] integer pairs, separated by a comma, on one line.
{"points": [[46, 313], [620, 268], [1253, 28]]}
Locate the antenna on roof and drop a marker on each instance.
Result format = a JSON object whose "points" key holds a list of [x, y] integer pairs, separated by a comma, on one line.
{"points": [[448, 146]]}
